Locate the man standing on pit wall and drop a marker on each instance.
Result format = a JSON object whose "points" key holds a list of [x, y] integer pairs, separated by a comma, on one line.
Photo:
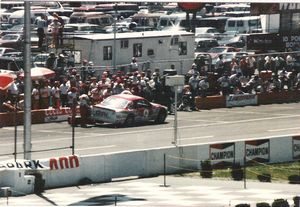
{"points": [[60, 37], [41, 24], [84, 103]]}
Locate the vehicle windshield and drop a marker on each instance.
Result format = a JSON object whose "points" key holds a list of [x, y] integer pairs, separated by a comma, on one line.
{"points": [[9, 37], [115, 102]]}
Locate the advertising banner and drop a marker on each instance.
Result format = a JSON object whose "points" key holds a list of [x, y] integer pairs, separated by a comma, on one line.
{"points": [[241, 100], [222, 155], [257, 151], [56, 115], [296, 147], [60, 163]]}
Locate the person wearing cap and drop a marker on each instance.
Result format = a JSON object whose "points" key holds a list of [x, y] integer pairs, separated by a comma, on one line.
{"points": [[134, 65], [203, 87], [84, 107], [55, 94], [72, 97], [64, 88], [35, 96], [51, 61], [54, 26], [118, 87], [224, 84], [60, 29], [96, 94], [90, 69], [186, 103], [13, 92]]}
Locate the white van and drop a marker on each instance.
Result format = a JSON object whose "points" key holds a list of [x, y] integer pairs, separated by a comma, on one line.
{"points": [[98, 18], [251, 24], [238, 9]]}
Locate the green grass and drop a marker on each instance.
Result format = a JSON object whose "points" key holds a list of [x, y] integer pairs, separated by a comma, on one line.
{"points": [[278, 172]]}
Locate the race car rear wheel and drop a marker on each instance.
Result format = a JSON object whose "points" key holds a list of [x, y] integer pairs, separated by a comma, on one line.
{"points": [[129, 122], [161, 117]]}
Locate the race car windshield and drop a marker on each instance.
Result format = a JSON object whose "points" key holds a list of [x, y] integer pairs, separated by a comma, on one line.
{"points": [[115, 102]]}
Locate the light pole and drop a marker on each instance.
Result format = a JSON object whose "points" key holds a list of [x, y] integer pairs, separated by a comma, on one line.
{"points": [[27, 83], [115, 34]]}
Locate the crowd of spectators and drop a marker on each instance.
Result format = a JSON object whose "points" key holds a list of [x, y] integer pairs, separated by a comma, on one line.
{"points": [[249, 74]]}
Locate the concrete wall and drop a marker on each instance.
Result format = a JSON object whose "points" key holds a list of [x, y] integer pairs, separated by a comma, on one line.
{"points": [[70, 170]]}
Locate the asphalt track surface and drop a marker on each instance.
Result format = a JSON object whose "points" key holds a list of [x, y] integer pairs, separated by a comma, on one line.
{"points": [[197, 127]]}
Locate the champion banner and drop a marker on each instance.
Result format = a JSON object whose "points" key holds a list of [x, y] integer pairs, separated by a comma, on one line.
{"points": [[222, 155], [296, 147], [257, 151]]}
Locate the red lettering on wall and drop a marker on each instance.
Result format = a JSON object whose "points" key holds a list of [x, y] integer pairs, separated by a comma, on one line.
{"points": [[73, 159], [64, 162], [53, 164]]}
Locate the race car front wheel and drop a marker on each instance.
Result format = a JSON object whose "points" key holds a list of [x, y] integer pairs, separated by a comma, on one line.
{"points": [[161, 117]]}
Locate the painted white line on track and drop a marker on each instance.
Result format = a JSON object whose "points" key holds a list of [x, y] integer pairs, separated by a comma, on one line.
{"points": [[249, 112], [284, 129], [240, 121], [282, 107], [189, 138], [51, 131], [90, 148]]}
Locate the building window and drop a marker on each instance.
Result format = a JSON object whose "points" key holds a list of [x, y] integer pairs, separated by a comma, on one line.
{"points": [[182, 47], [137, 50], [150, 52], [124, 43], [231, 23], [107, 53], [175, 40], [239, 23]]}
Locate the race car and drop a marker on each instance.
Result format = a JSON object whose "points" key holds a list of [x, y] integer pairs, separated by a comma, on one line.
{"points": [[127, 110]]}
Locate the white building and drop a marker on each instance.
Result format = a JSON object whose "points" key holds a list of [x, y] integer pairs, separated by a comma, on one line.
{"points": [[152, 49]]}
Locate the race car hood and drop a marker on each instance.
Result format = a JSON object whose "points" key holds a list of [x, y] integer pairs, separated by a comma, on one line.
{"points": [[107, 107]]}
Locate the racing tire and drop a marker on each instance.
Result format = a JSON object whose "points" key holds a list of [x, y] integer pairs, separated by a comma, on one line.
{"points": [[129, 122], [161, 117]]}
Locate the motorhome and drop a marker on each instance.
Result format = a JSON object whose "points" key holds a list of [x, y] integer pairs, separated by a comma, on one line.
{"points": [[251, 24], [177, 20], [151, 49], [98, 18]]}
